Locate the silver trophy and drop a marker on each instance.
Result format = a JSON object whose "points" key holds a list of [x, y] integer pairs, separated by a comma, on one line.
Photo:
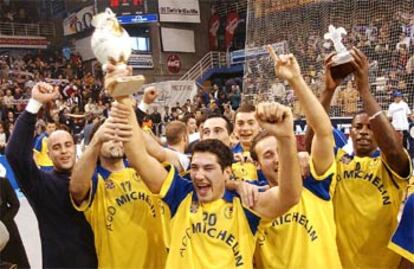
{"points": [[342, 60], [111, 44]]}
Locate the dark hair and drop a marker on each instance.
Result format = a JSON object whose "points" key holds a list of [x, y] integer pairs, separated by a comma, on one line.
{"points": [[187, 117], [259, 137], [246, 107], [359, 112], [229, 125], [214, 146]]}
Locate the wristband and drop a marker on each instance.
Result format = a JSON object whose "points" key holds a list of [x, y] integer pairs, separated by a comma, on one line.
{"points": [[33, 106]]}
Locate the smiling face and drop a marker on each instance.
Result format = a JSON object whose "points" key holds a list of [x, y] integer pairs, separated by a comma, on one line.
{"points": [[208, 177], [215, 128], [268, 158], [61, 150], [246, 128], [112, 150], [362, 136]]}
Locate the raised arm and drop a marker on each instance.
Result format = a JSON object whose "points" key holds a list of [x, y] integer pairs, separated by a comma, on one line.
{"points": [[151, 171], [383, 131], [81, 178], [163, 154], [322, 154], [19, 150], [325, 99], [274, 202]]}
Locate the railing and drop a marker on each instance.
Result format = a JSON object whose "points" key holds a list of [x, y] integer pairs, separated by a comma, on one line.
{"points": [[212, 59], [27, 29]]}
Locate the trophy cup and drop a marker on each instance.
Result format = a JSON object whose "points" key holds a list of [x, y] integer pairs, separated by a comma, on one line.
{"points": [[342, 60], [111, 44]]}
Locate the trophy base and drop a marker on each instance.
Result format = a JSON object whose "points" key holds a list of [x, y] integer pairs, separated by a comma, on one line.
{"points": [[125, 86], [342, 66]]}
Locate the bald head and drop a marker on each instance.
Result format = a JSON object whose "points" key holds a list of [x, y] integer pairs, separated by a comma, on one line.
{"points": [[61, 150]]}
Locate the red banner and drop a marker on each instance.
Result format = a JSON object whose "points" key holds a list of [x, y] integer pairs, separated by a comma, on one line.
{"points": [[231, 24], [23, 42], [213, 27]]}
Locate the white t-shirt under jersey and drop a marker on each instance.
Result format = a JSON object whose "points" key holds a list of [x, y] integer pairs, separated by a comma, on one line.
{"points": [[398, 112]]}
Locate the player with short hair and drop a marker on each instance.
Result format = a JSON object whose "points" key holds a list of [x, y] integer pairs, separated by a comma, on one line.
{"points": [[370, 182], [209, 226], [305, 236]]}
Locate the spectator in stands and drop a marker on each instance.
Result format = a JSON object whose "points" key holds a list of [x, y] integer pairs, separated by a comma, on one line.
{"points": [[156, 120], [348, 99], [192, 130], [177, 136], [235, 97], [228, 112], [398, 113], [3, 137]]}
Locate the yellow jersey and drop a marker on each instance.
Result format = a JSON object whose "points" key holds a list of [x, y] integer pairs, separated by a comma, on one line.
{"points": [[367, 199], [305, 236], [220, 234], [125, 219], [402, 242], [246, 171], [40, 153]]}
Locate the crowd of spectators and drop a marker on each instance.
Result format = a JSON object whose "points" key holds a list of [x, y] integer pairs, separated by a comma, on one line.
{"points": [[386, 36], [81, 96], [16, 14]]}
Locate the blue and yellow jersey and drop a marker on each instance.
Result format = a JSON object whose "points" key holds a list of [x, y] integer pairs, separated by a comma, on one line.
{"points": [[126, 220], [40, 152], [305, 236], [402, 242], [246, 171], [367, 199], [220, 234]]}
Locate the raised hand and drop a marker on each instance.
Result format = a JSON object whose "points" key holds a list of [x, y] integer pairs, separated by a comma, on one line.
{"points": [[44, 92], [275, 118], [286, 66], [116, 127], [330, 83], [249, 193], [114, 72], [361, 65]]}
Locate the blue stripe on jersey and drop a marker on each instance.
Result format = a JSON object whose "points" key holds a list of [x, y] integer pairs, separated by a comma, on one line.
{"points": [[319, 187], [177, 192], [252, 219], [261, 179], [237, 148], [39, 142], [340, 138], [104, 174], [404, 236]]}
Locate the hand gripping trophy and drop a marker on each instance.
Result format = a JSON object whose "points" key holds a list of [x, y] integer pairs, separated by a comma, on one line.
{"points": [[111, 44], [341, 61]]}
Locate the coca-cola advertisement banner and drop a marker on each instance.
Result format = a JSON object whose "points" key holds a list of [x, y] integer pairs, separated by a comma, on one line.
{"points": [[187, 11]]}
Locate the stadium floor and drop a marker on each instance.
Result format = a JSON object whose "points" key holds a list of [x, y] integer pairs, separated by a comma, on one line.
{"points": [[27, 223]]}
